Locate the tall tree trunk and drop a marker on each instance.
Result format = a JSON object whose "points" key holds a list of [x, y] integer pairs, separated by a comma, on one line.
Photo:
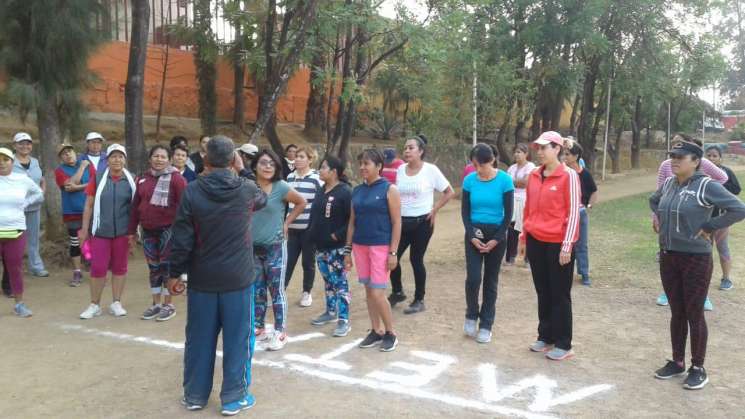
{"points": [[575, 114], [206, 68], [48, 123], [239, 79], [636, 126], [315, 113], [276, 79], [134, 133], [586, 128], [162, 89]]}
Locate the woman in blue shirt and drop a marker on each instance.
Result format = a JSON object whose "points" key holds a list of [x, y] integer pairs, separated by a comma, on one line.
{"points": [[487, 212]]}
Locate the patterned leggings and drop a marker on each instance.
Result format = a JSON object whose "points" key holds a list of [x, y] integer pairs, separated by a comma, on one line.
{"points": [[338, 297], [269, 270], [157, 246], [686, 279]]}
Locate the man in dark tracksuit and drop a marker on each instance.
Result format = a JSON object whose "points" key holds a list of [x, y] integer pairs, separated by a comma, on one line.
{"points": [[212, 243]]}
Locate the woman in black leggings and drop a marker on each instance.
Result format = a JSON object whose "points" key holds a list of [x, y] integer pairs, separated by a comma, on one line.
{"points": [[416, 181]]}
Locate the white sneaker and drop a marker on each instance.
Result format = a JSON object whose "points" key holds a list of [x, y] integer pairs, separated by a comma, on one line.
{"points": [[92, 311], [117, 310], [277, 341], [306, 300]]}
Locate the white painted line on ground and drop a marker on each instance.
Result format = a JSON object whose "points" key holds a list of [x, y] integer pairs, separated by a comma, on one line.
{"points": [[327, 359], [543, 399], [423, 373], [543, 389]]}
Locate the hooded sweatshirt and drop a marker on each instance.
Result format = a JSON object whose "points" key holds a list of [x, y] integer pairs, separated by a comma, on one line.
{"points": [[330, 215], [685, 209], [212, 232]]}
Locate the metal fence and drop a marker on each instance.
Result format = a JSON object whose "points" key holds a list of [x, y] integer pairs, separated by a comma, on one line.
{"points": [[116, 20]]}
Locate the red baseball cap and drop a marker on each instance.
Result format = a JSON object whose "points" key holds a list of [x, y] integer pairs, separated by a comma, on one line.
{"points": [[548, 137]]}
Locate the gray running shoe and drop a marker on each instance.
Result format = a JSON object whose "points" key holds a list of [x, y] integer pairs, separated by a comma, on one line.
{"points": [[342, 328], [726, 284], [167, 312], [77, 277], [558, 354], [324, 318], [22, 311], [540, 346], [469, 328], [415, 307], [484, 336], [152, 312]]}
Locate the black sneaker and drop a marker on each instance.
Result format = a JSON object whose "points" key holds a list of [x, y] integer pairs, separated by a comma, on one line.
{"points": [[372, 339], [415, 307], [670, 370], [696, 379], [389, 342], [396, 297]]}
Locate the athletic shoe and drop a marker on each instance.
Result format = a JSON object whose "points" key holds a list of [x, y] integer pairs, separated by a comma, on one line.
{"points": [[540, 346], [509, 262], [277, 341], [696, 379], [116, 309], [92, 311], [396, 297], [558, 354], [469, 328], [151, 312], [306, 300], [324, 318], [586, 280], [342, 328], [708, 306], [662, 299], [191, 406], [389, 342], [77, 278], [232, 409], [484, 336], [415, 307], [41, 274], [262, 334], [726, 284], [670, 370], [167, 312], [22, 311], [372, 339]]}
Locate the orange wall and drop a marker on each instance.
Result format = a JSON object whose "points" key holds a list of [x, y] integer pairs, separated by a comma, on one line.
{"points": [[181, 96]]}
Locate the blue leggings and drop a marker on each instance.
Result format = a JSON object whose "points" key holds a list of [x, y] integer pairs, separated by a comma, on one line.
{"points": [[269, 270]]}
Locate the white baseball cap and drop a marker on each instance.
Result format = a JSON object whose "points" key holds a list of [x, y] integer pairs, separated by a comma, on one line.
{"points": [[21, 136], [116, 147], [94, 136], [249, 149], [7, 153]]}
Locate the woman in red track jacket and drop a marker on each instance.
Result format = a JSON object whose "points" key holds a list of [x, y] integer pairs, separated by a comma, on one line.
{"points": [[550, 228]]}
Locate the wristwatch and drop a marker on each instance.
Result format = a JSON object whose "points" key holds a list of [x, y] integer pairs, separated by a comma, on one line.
{"points": [[392, 253]]}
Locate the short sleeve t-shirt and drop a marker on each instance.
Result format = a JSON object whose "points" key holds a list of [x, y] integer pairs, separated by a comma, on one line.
{"points": [[417, 192], [520, 173], [487, 206], [267, 223]]}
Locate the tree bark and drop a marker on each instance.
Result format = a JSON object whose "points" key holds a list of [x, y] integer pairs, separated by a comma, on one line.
{"points": [[205, 66], [162, 89], [239, 78], [277, 76], [636, 126], [315, 113], [48, 123], [134, 133]]}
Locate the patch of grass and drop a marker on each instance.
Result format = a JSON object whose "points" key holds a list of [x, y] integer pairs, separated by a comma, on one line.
{"points": [[623, 245]]}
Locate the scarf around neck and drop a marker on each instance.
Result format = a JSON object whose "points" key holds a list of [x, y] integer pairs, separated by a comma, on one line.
{"points": [[160, 194]]}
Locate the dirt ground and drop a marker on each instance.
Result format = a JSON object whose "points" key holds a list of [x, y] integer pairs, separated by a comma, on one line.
{"points": [[55, 365]]}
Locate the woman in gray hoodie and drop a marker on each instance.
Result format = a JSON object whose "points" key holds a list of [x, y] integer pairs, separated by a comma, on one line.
{"points": [[684, 206]]}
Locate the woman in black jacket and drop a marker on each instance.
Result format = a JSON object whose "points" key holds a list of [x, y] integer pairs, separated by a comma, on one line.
{"points": [[714, 154], [329, 220]]}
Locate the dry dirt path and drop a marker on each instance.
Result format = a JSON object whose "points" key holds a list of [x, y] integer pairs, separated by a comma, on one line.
{"points": [[55, 365]]}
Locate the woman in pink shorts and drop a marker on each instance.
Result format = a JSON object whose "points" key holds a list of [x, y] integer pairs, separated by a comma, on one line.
{"points": [[372, 237], [107, 206]]}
